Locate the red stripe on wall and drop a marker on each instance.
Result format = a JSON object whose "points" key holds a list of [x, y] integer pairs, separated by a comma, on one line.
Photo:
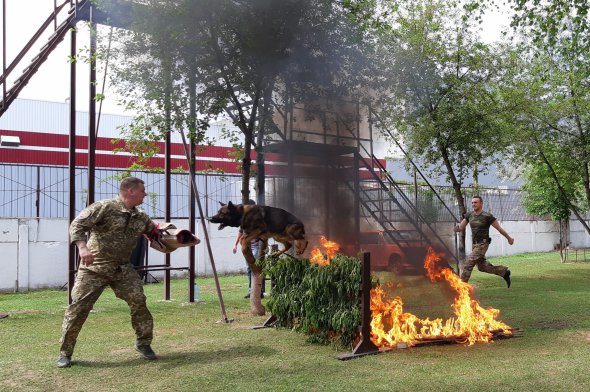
{"points": [[112, 160]]}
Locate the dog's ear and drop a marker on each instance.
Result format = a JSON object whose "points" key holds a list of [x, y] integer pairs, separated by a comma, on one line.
{"points": [[230, 204], [222, 204]]}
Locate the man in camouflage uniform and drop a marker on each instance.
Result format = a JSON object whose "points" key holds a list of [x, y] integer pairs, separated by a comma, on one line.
{"points": [[480, 222], [113, 226]]}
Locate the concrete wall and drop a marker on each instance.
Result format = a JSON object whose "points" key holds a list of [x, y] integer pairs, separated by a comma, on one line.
{"points": [[529, 236], [34, 253]]}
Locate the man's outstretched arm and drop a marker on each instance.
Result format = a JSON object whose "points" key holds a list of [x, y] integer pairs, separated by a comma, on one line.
{"points": [[497, 226]]}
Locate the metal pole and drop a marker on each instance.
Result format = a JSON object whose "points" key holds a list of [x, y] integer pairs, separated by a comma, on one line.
{"points": [[192, 163], [4, 50], [167, 208], [205, 233], [38, 191], [365, 346], [92, 115], [192, 227], [357, 200], [72, 164]]}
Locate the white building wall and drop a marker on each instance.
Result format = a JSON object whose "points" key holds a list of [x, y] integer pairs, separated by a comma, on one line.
{"points": [[578, 235], [30, 115], [529, 236]]}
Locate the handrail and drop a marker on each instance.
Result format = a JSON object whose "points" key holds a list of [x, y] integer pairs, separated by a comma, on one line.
{"points": [[414, 165], [10, 95], [32, 41], [412, 206]]}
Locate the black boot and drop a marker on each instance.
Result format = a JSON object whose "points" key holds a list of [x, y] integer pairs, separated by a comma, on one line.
{"points": [[146, 351]]}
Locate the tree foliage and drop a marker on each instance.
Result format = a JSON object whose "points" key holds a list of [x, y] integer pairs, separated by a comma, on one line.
{"points": [[548, 22], [442, 97], [549, 97], [237, 58], [542, 197]]}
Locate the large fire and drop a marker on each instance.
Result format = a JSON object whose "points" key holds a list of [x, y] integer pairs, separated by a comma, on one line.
{"points": [[330, 250], [390, 325]]}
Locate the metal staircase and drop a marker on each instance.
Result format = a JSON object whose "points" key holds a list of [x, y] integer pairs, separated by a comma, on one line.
{"points": [[383, 202], [387, 203], [59, 22]]}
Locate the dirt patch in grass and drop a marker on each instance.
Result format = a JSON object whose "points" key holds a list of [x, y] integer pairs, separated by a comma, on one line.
{"points": [[553, 325], [30, 312], [580, 336]]}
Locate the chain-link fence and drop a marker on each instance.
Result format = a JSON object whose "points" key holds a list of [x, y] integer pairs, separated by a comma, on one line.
{"points": [[42, 191]]}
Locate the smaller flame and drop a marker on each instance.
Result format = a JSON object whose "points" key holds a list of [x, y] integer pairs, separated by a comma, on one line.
{"points": [[330, 249]]}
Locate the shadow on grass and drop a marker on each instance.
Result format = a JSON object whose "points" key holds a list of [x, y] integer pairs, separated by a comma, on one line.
{"points": [[173, 359]]}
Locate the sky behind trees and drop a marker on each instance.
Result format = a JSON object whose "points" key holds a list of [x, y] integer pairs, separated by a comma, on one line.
{"points": [[52, 81]]}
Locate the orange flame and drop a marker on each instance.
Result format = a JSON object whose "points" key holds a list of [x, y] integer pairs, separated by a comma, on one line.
{"points": [[391, 325], [330, 248]]}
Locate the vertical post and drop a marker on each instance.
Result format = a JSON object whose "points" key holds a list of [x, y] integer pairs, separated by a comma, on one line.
{"points": [[167, 172], [192, 178], [92, 114], [192, 225], [38, 192], [72, 164], [327, 193], [286, 118], [365, 342], [357, 201], [291, 118], [4, 51], [358, 123], [206, 234], [291, 180], [416, 201], [371, 130], [365, 346]]}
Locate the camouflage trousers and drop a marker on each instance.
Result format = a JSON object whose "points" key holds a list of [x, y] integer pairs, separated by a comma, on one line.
{"points": [[478, 257], [88, 286]]}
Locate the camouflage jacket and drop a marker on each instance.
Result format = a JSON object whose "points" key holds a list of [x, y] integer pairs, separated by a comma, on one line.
{"points": [[113, 231]]}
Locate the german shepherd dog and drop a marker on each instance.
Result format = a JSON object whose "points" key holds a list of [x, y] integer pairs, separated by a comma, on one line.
{"points": [[263, 222]]}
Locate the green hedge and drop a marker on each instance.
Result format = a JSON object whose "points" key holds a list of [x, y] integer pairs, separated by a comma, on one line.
{"points": [[321, 301]]}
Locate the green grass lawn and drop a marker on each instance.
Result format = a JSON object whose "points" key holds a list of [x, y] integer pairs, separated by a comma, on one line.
{"points": [[548, 301]]}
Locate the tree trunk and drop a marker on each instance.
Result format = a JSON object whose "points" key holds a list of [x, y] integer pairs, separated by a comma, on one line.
{"points": [[563, 239], [246, 164], [248, 130], [264, 119], [458, 195], [572, 207], [584, 158]]}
